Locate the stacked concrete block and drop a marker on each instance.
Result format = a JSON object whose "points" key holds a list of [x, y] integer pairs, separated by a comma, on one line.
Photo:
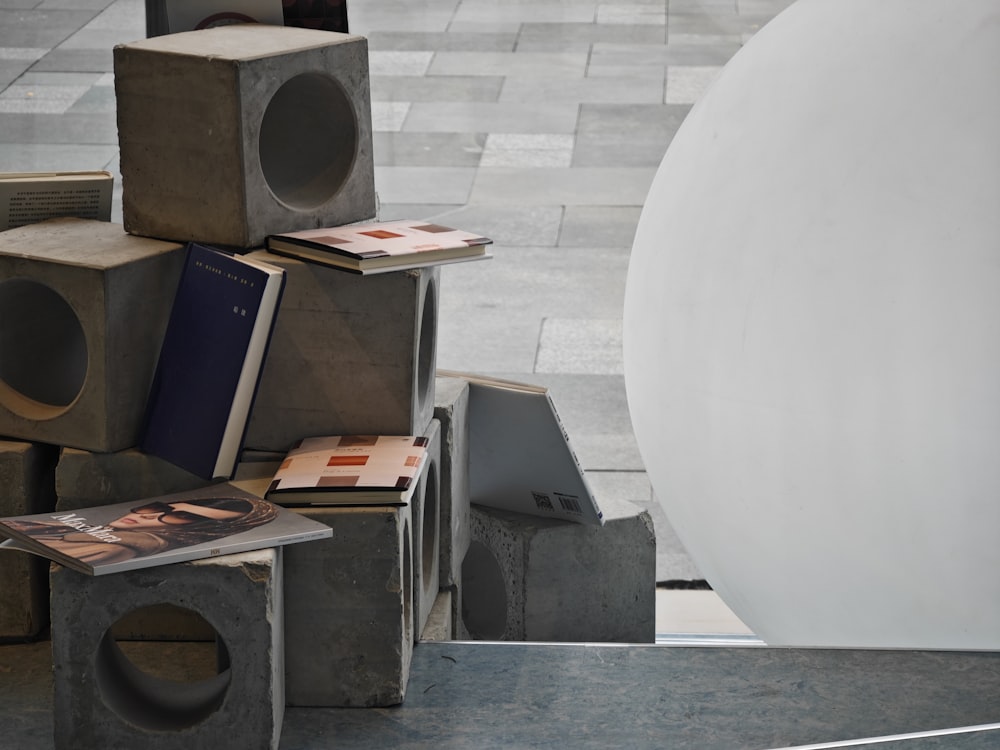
{"points": [[535, 579], [451, 409], [232, 133], [427, 532], [349, 609], [84, 306], [85, 478], [26, 487], [349, 355], [101, 699]]}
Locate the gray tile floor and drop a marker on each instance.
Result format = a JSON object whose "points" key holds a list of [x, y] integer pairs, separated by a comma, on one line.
{"points": [[538, 124]]}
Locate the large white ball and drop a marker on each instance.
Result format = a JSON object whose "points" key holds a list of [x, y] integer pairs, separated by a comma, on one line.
{"points": [[812, 327]]}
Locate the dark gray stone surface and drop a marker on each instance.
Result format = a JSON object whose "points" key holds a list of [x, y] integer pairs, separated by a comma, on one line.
{"points": [[481, 695]]}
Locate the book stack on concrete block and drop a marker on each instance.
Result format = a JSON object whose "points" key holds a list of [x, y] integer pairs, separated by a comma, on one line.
{"points": [[229, 135]]}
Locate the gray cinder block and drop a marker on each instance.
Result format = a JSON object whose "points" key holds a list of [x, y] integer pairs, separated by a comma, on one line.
{"points": [[349, 609], [101, 699], [536, 579], [427, 531], [84, 306], [26, 487], [85, 478], [349, 355], [451, 409], [232, 133]]}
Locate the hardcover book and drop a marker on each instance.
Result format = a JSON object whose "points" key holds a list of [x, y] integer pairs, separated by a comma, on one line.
{"points": [[211, 360], [350, 470], [31, 197], [520, 458], [217, 520], [381, 246]]}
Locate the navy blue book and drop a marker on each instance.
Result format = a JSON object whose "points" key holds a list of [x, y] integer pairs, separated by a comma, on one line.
{"points": [[211, 360]]}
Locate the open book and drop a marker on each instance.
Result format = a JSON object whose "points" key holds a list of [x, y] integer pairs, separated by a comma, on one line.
{"points": [[217, 520], [520, 458], [31, 197]]}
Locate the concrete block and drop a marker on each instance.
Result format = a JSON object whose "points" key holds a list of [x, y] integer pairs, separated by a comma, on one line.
{"points": [[232, 133], [451, 409], [102, 699], [84, 306], [349, 609], [427, 531], [349, 355], [438, 626], [26, 487], [85, 478], [536, 579]]}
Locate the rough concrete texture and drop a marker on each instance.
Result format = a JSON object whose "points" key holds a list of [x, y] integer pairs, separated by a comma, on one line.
{"points": [[349, 355], [26, 487], [451, 409], [427, 531], [85, 478], [349, 609], [101, 699], [438, 626], [84, 306], [535, 579], [232, 133]]}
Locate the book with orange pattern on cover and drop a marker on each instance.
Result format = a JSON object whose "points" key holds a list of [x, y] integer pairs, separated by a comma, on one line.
{"points": [[350, 470], [381, 246]]}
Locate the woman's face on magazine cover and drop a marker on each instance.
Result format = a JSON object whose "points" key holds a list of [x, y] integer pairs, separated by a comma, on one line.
{"points": [[155, 515]]}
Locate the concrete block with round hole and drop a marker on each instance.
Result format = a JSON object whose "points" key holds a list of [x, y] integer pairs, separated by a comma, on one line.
{"points": [[26, 487], [85, 478], [427, 527], [231, 133], [526, 578], [103, 699], [350, 355], [349, 618], [83, 307]]}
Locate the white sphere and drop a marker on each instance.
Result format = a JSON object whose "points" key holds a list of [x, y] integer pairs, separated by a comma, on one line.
{"points": [[812, 327]]}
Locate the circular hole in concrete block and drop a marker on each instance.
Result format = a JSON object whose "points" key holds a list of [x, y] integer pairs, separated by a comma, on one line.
{"points": [[484, 594], [43, 350], [308, 141], [426, 346], [162, 685], [407, 584], [429, 529]]}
